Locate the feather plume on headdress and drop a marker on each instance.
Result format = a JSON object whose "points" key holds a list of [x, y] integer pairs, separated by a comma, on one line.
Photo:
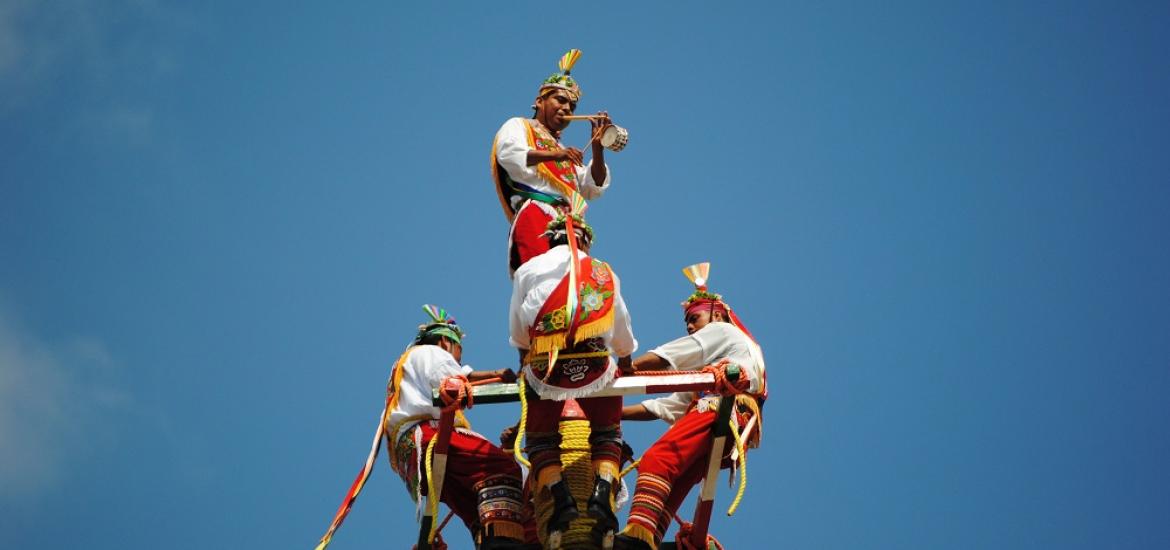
{"points": [[568, 60], [442, 324], [562, 80]]}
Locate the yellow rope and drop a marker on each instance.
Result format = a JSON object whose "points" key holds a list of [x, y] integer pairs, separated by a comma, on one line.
{"points": [[742, 467], [432, 498], [577, 463], [523, 420], [627, 469], [577, 474]]}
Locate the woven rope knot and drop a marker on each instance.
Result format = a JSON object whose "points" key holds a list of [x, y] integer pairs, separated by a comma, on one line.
{"points": [[683, 539], [723, 385], [455, 391]]}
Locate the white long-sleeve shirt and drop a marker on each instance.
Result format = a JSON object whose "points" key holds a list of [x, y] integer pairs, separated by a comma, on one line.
{"points": [[706, 346], [423, 371], [534, 283], [512, 153]]}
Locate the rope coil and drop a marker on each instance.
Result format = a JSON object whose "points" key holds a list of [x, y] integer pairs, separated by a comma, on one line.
{"points": [[723, 385], [739, 446], [462, 392], [518, 444], [683, 539]]}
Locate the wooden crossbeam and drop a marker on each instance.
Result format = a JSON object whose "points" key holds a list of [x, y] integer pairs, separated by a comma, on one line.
{"points": [[627, 385]]}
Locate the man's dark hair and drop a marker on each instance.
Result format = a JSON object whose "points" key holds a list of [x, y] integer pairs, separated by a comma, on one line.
{"points": [[434, 339]]}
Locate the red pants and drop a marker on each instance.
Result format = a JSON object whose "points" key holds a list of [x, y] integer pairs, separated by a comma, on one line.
{"points": [[670, 467], [544, 437], [526, 241], [482, 484]]}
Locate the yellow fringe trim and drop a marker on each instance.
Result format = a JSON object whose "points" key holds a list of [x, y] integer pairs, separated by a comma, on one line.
{"points": [[559, 341], [496, 180], [594, 329], [396, 380], [543, 171], [641, 533], [548, 343]]}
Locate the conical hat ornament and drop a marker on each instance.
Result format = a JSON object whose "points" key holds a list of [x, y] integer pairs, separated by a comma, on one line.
{"points": [[698, 274], [702, 299]]}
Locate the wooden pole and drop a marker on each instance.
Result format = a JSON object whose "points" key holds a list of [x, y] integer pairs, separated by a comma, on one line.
{"points": [[438, 473], [720, 433]]}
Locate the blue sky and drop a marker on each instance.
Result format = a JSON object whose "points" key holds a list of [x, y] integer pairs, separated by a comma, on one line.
{"points": [[946, 224]]}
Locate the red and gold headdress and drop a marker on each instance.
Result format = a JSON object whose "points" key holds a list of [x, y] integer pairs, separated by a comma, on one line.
{"points": [[703, 299], [562, 80]]}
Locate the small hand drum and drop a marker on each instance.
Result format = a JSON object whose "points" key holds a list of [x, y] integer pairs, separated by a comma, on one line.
{"points": [[615, 138]]}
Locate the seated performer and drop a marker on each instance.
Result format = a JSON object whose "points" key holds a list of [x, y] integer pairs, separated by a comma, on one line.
{"points": [[565, 324], [678, 460], [483, 484], [534, 173]]}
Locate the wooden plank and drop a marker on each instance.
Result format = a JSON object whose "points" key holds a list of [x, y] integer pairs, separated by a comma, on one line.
{"points": [[439, 473], [721, 432], [627, 385]]}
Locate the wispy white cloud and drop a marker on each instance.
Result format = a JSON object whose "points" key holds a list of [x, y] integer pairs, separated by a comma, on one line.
{"points": [[52, 396], [106, 53]]}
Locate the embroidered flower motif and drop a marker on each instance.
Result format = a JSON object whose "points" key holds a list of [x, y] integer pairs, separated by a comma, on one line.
{"points": [[559, 318], [600, 273], [554, 321], [592, 299]]}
